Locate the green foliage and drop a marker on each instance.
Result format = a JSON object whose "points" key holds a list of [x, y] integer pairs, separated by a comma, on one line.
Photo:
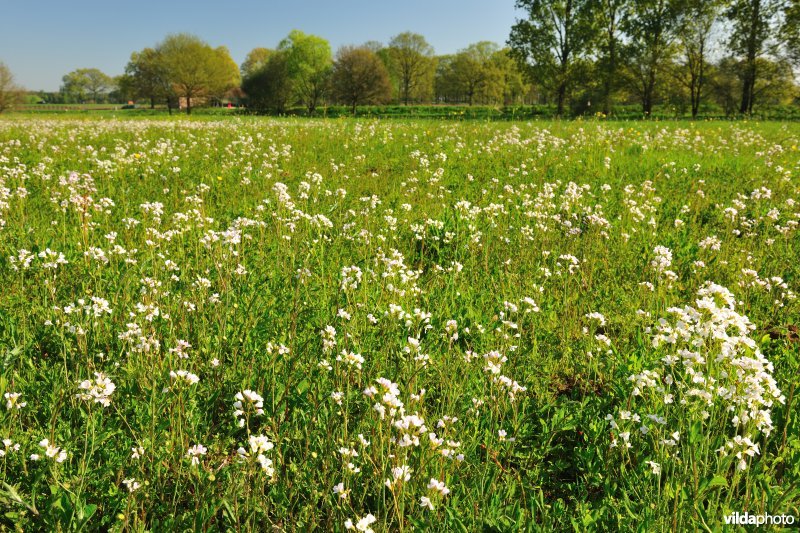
{"points": [[146, 76], [553, 38], [196, 70], [255, 61], [474, 75], [652, 27], [269, 88], [308, 67], [86, 84], [10, 93], [411, 64], [359, 77], [754, 25]]}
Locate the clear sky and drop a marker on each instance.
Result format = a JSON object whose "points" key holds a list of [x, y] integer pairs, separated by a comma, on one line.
{"points": [[41, 40]]}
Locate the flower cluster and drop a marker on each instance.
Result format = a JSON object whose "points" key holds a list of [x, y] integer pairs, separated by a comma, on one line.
{"points": [[98, 390], [712, 370], [247, 403]]}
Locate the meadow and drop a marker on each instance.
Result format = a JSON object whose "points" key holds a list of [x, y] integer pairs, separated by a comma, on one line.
{"points": [[290, 324]]}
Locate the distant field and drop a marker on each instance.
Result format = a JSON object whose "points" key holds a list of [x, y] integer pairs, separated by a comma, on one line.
{"points": [[256, 323], [67, 107], [426, 112]]}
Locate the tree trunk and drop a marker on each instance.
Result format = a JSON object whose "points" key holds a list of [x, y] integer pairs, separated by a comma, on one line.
{"points": [[152, 102], [560, 98], [747, 92], [612, 67], [752, 52], [188, 105], [649, 87], [697, 87]]}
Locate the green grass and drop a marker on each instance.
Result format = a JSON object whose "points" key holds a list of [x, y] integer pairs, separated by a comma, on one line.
{"points": [[440, 253]]}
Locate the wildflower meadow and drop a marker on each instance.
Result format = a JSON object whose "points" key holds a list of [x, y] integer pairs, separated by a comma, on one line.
{"points": [[278, 324]]}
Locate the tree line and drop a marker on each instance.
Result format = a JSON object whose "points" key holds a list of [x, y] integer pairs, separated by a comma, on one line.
{"points": [[682, 51], [581, 56]]}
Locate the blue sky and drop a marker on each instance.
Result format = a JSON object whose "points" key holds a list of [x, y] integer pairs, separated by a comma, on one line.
{"points": [[41, 40]]}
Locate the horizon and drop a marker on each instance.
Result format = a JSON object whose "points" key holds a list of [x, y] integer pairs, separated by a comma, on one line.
{"points": [[39, 45]]}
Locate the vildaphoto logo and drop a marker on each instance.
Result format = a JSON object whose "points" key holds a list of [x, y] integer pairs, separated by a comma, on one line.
{"points": [[747, 519]]}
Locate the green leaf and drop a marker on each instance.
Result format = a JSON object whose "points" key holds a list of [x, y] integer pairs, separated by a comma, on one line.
{"points": [[718, 481]]}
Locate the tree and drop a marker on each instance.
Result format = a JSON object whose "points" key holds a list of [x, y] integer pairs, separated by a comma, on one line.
{"points": [[195, 70], [547, 43], [791, 29], [651, 27], [511, 87], [86, 84], [308, 62], [753, 22], [255, 61], [411, 64], [360, 77], [775, 84], [10, 92], [470, 74], [375, 46], [269, 88], [146, 77], [610, 15], [228, 71], [694, 37], [724, 80]]}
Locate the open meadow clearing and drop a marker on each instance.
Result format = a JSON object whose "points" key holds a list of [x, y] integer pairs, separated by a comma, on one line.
{"points": [[370, 325]]}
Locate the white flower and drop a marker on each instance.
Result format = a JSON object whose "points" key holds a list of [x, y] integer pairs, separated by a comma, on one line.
{"points": [[362, 525], [266, 465], [351, 358], [51, 451], [195, 452], [438, 486], [400, 474], [13, 400], [183, 377], [98, 391], [663, 258], [341, 491], [503, 435], [424, 501], [131, 483], [247, 402]]}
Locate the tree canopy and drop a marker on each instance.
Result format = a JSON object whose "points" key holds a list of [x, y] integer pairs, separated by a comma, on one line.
{"points": [[360, 77], [196, 70], [10, 92], [255, 61], [308, 65], [146, 77], [676, 54], [86, 84], [411, 63], [550, 41]]}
